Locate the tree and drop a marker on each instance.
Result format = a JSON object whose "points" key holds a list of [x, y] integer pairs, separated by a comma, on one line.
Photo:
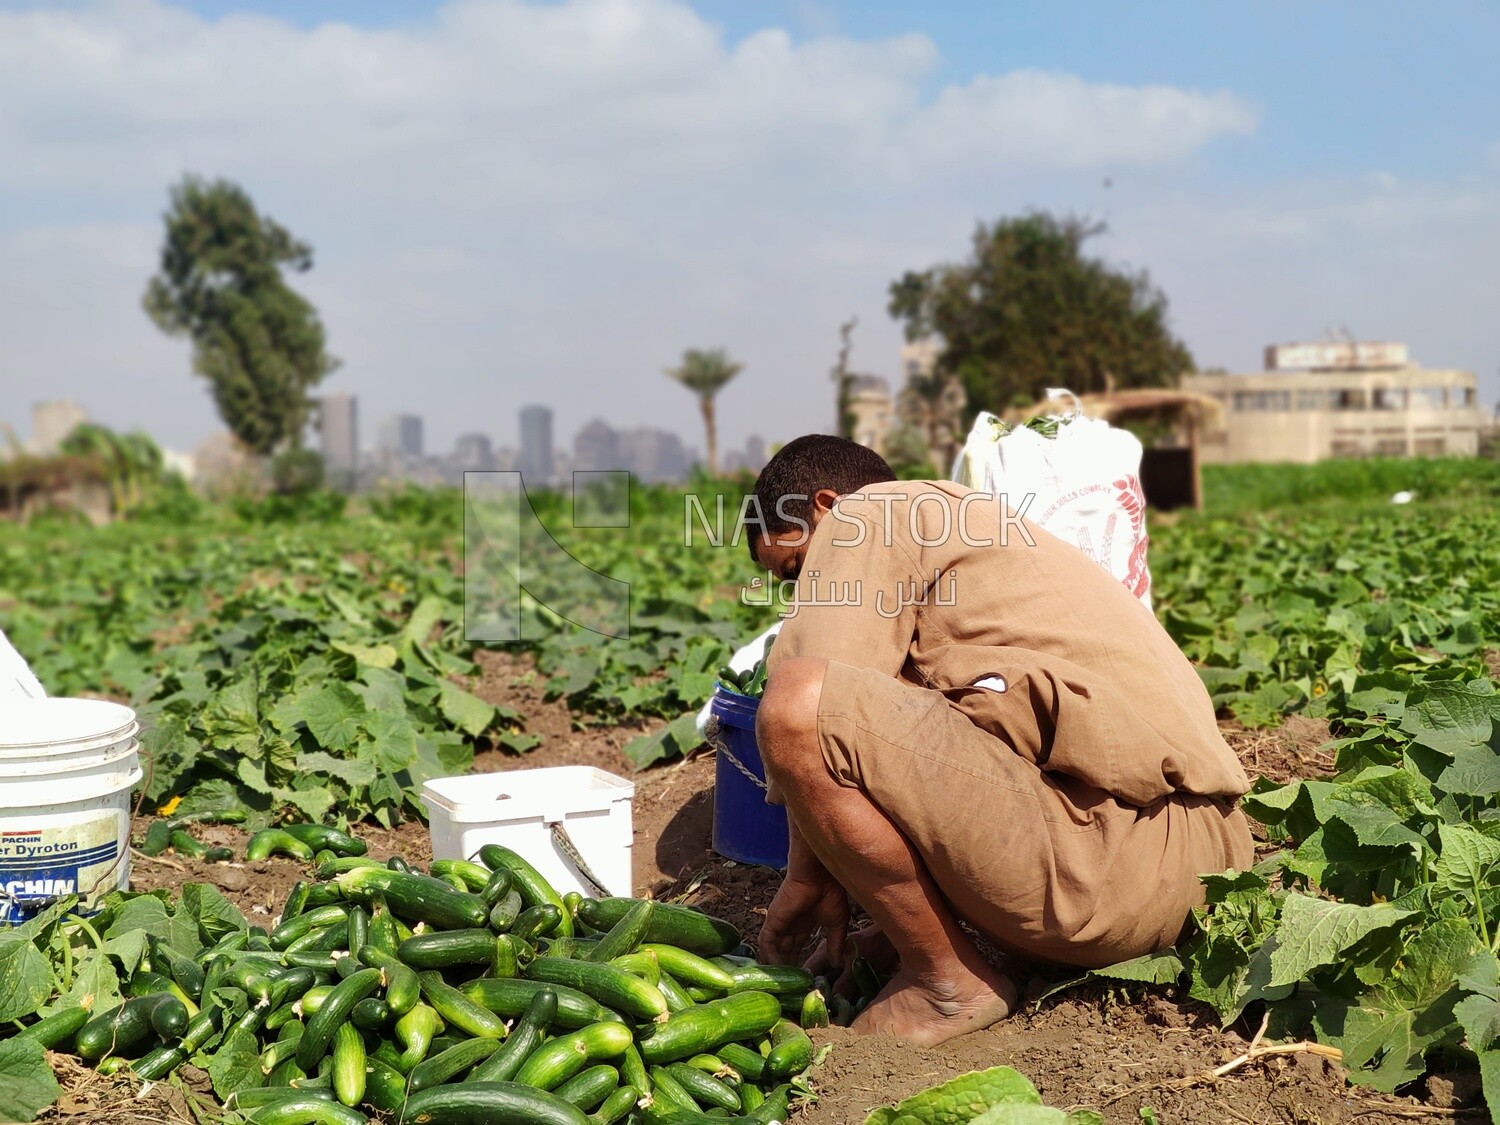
{"points": [[257, 341], [1029, 310], [132, 463], [705, 373]]}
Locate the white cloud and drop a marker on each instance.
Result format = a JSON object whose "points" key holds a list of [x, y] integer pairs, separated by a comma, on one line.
{"points": [[524, 201]]}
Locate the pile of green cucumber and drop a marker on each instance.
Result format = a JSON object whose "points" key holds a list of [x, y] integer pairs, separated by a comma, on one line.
{"points": [[752, 681], [471, 994]]}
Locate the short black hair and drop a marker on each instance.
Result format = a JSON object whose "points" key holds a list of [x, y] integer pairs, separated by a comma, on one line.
{"points": [[807, 465]]}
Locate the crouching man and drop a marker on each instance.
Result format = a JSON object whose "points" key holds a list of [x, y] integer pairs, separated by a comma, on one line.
{"points": [[969, 720]]}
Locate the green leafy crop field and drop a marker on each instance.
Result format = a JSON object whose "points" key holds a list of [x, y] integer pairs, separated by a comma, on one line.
{"points": [[310, 663]]}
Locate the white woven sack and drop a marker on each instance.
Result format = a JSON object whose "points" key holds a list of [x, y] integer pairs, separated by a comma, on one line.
{"points": [[1084, 485], [16, 679]]}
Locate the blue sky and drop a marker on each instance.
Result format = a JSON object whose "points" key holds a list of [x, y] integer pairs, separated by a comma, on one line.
{"points": [[1344, 86], [519, 201]]}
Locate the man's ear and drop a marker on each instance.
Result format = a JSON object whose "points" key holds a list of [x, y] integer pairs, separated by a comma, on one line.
{"points": [[823, 500]]}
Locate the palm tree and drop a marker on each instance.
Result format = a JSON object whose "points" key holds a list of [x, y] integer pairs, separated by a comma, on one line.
{"points": [[144, 464], [132, 462], [704, 372], [102, 445]]}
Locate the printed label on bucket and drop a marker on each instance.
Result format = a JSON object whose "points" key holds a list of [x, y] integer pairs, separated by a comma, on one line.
{"points": [[68, 856]]}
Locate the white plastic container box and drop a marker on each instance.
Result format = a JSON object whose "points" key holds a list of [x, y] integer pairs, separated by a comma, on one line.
{"points": [[517, 809], [67, 767]]}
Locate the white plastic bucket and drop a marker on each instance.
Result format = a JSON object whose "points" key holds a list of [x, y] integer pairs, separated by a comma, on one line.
{"points": [[517, 809], [67, 767]]}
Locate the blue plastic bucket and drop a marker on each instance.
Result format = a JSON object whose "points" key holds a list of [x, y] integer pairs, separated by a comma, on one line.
{"points": [[745, 827]]}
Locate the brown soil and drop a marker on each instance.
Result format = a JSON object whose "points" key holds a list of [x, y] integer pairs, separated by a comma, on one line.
{"points": [[1282, 753], [1114, 1050]]}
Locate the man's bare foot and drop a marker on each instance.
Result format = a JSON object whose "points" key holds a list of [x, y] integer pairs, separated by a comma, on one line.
{"points": [[930, 1012]]}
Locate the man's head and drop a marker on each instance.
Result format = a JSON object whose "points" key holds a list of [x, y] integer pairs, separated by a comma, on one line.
{"points": [[797, 488]]}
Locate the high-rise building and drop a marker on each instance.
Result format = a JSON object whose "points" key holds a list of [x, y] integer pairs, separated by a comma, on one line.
{"points": [[473, 453], [596, 448], [400, 434], [51, 422], [536, 460], [653, 455], [338, 425], [755, 453]]}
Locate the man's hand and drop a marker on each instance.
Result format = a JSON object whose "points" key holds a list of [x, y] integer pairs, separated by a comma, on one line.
{"points": [[803, 904]]}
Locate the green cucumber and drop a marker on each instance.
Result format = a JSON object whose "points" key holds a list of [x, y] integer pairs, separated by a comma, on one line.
{"points": [[144, 983], [159, 1062], [612, 987], [348, 1064], [506, 910], [333, 1013], [451, 1064], [616, 1107], [402, 989], [323, 939], [299, 925], [415, 1032], [791, 1050], [458, 1010], [258, 1096], [385, 1086], [589, 1088], [748, 1063], [677, 999], [557, 1060], [333, 865], [488, 1103], [420, 898], [181, 968], [705, 1027], [668, 1095], [370, 1014], [670, 925], [688, 968], [382, 932], [313, 999], [296, 902], [307, 1109], [511, 997], [281, 1050], [779, 980], [705, 1089], [272, 841], [536, 921], [56, 1031], [169, 1018], [506, 959], [122, 1029], [772, 1109], [475, 877], [534, 888], [525, 1037], [497, 886], [320, 837], [624, 935], [184, 844], [633, 1071], [358, 930], [643, 965], [813, 1011], [442, 949]]}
